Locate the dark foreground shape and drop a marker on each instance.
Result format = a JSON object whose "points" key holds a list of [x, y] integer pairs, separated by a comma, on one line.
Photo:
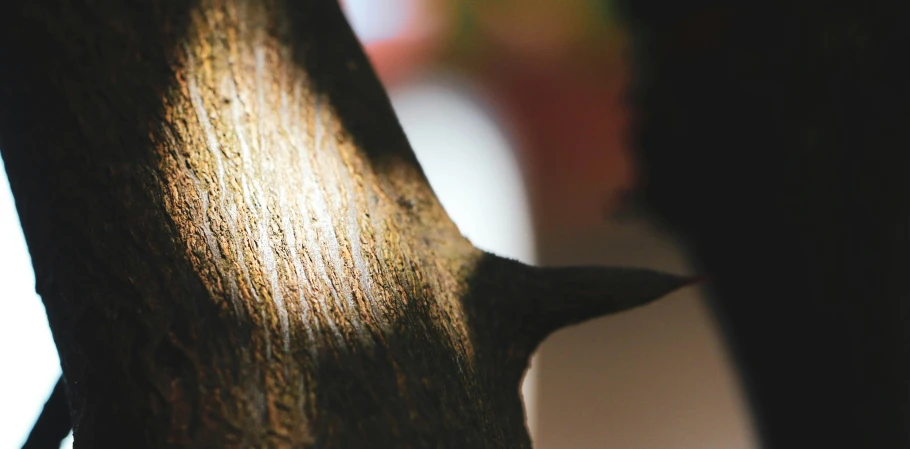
{"points": [[776, 137]]}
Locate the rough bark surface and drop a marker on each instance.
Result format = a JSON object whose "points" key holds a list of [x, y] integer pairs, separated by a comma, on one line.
{"points": [[237, 248]]}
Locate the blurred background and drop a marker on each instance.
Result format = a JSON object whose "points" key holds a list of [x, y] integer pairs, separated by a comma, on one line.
{"points": [[517, 112]]}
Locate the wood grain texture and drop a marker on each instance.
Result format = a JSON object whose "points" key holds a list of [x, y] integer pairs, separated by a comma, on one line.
{"points": [[237, 248]]}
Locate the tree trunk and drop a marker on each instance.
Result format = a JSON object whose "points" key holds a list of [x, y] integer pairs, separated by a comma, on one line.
{"points": [[237, 248]]}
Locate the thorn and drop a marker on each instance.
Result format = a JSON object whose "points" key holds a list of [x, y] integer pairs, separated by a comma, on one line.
{"points": [[524, 304], [54, 422]]}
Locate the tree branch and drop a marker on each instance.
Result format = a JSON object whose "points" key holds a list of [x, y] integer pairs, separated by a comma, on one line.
{"points": [[236, 247]]}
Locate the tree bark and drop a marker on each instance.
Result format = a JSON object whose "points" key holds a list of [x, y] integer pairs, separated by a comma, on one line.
{"points": [[237, 248]]}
